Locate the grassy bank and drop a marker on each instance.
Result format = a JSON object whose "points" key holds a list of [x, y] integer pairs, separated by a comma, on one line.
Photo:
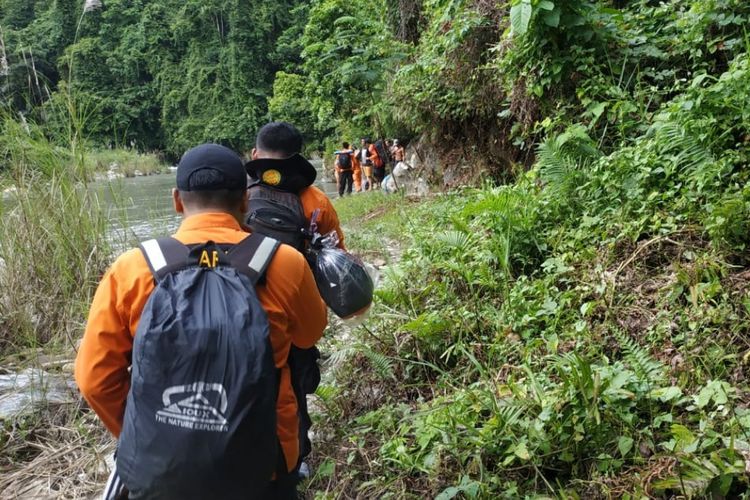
{"points": [[53, 242], [582, 333], [53, 249], [374, 223], [123, 162]]}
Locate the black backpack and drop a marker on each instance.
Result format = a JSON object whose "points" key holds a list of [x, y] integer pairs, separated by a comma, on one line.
{"points": [[200, 418], [278, 214], [383, 152], [345, 161]]}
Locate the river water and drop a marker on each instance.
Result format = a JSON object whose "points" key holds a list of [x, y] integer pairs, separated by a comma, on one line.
{"points": [[141, 207]]}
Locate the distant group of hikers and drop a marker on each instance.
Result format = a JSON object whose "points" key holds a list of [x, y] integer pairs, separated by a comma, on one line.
{"points": [[366, 168], [199, 349]]}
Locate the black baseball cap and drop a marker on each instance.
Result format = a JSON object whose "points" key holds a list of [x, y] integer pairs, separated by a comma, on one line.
{"points": [[211, 157]]}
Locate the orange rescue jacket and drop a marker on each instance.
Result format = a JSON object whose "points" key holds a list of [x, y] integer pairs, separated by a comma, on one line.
{"points": [[296, 315], [328, 219], [377, 161]]}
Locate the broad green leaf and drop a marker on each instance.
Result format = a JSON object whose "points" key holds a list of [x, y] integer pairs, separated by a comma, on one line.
{"points": [[667, 417], [448, 493], [552, 17], [715, 390], [720, 485], [520, 16], [666, 394], [326, 468], [682, 433], [720, 394], [624, 444], [546, 5], [684, 440], [522, 452], [704, 397], [598, 109]]}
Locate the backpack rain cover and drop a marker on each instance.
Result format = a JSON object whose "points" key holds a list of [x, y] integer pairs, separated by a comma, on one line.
{"points": [[200, 418]]}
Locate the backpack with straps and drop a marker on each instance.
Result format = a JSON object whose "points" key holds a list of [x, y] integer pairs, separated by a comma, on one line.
{"points": [[278, 214], [377, 160], [383, 153], [345, 161], [200, 418]]}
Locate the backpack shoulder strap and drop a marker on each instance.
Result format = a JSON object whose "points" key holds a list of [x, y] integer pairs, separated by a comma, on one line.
{"points": [[164, 255], [252, 255]]}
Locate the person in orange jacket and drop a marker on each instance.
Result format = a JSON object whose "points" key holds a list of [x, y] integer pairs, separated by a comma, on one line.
{"points": [[378, 164], [289, 295], [277, 158], [357, 175]]}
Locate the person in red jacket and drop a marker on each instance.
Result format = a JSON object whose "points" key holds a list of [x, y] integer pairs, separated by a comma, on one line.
{"points": [[378, 165]]}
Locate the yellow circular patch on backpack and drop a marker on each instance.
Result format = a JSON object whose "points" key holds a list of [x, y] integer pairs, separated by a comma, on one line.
{"points": [[271, 177]]}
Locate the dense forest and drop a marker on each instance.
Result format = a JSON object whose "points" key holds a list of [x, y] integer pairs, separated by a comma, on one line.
{"points": [[166, 75], [568, 317], [155, 75], [481, 80]]}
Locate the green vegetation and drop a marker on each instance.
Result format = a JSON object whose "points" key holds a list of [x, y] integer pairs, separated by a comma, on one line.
{"points": [[581, 332], [53, 241], [574, 324], [582, 345], [123, 162], [153, 74], [373, 224]]}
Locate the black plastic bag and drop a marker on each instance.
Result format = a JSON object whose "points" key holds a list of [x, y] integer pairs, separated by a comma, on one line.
{"points": [[342, 279]]}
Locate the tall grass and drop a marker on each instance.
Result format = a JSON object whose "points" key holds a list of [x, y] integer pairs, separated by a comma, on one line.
{"points": [[53, 241]]}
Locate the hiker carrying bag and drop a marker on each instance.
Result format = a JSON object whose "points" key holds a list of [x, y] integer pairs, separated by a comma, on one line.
{"points": [[277, 214], [383, 153], [345, 162], [200, 418]]}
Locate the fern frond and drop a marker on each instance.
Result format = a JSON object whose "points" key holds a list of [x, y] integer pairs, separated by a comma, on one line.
{"points": [[687, 152], [561, 158], [339, 356], [326, 392], [456, 239], [646, 368], [382, 363], [511, 414]]}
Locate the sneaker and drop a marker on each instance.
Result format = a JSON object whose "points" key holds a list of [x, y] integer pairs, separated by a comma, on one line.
{"points": [[304, 471]]}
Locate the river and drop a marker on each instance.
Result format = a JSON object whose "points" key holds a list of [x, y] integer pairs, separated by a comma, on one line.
{"points": [[139, 208]]}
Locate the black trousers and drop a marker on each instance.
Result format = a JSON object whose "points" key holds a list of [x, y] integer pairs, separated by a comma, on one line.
{"points": [[305, 373], [346, 180], [378, 173], [281, 488]]}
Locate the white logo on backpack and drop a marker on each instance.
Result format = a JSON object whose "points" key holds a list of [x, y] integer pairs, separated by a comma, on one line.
{"points": [[199, 406]]}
